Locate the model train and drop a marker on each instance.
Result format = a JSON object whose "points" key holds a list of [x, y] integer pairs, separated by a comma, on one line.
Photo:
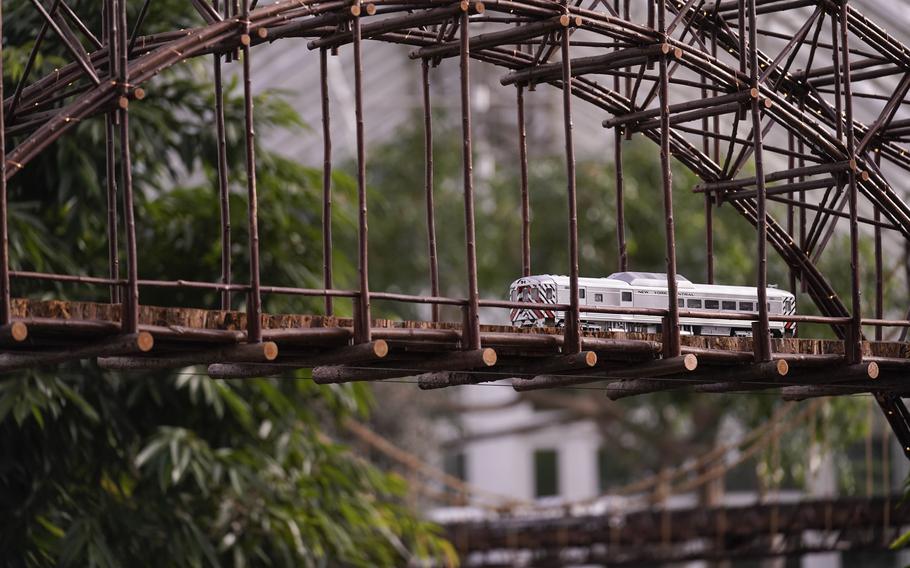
{"points": [[646, 290]]}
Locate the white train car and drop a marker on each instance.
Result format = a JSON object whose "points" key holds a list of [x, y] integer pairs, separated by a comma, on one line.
{"points": [[646, 290]]}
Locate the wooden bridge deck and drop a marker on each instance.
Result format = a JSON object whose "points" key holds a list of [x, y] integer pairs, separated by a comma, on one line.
{"points": [[60, 331]]}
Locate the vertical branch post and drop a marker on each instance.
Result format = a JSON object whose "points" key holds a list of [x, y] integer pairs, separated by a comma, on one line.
{"points": [[626, 14], [326, 180], [709, 238], [879, 270], [709, 204], [572, 342], [5, 309], [853, 347], [622, 252], [130, 316], [471, 332], [670, 328], [428, 186], [362, 318], [741, 30], [525, 197], [110, 160], [113, 247], [715, 125], [223, 189], [791, 213], [761, 329], [803, 220], [836, 73], [254, 305]]}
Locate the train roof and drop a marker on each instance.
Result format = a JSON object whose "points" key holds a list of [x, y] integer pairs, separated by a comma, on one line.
{"points": [[650, 280], [632, 277]]}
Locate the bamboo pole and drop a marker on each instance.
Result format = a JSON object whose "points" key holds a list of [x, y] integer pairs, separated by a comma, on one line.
{"points": [[471, 326], [572, 342], [130, 301], [254, 298], [656, 368], [326, 180], [853, 342], [5, 309], [141, 342], [584, 360], [761, 332], [670, 327], [868, 370], [360, 353], [223, 188], [523, 177], [362, 314], [248, 352], [621, 249], [432, 259], [459, 360]]}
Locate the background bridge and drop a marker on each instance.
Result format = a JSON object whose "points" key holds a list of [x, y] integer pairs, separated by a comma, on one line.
{"points": [[713, 87], [649, 537], [662, 517]]}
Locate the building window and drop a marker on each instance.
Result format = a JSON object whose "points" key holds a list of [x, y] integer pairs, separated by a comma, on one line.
{"points": [[746, 307], [694, 303], [712, 304], [729, 305], [454, 464], [627, 296], [598, 297], [546, 473]]}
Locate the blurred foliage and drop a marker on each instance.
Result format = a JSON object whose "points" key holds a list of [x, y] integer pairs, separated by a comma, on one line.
{"points": [[108, 469]]}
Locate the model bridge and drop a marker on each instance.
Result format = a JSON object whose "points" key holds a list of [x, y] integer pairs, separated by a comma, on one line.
{"points": [[709, 82]]}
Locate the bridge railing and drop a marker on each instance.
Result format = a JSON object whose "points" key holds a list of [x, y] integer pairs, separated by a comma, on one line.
{"points": [[450, 301]]}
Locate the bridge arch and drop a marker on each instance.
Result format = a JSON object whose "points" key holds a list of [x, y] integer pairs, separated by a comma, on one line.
{"points": [[293, 19]]}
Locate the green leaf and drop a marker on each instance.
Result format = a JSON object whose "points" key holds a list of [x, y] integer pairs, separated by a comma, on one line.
{"points": [[50, 527], [80, 402], [901, 541]]}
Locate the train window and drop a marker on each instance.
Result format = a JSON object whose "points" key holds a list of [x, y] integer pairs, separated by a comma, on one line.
{"points": [[746, 306], [712, 304], [681, 303], [728, 305], [598, 297], [627, 296], [694, 303], [581, 293]]}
